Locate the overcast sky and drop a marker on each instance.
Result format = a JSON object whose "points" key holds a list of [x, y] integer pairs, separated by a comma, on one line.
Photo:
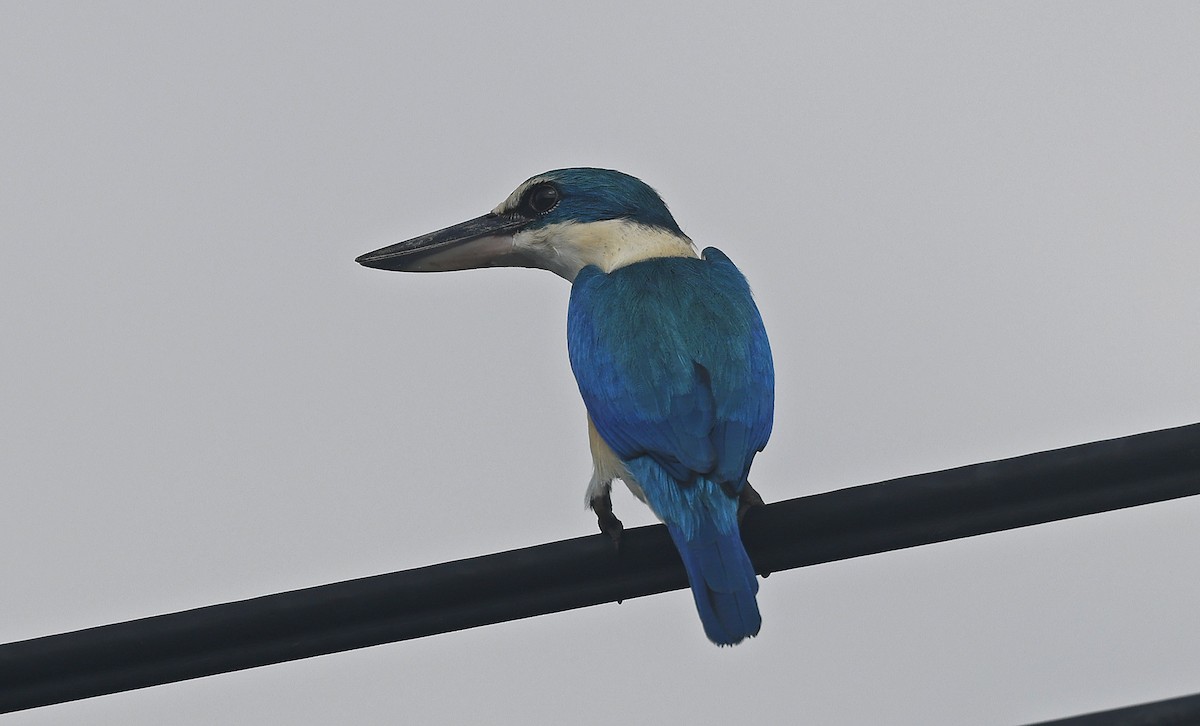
{"points": [[972, 231]]}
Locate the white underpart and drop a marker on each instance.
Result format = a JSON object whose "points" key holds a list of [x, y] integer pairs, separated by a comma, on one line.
{"points": [[606, 466], [568, 247]]}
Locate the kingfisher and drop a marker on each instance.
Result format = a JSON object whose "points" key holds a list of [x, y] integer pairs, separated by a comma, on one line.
{"points": [[670, 354]]}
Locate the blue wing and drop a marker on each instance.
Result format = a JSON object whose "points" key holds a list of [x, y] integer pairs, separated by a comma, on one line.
{"points": [[673, 362]]}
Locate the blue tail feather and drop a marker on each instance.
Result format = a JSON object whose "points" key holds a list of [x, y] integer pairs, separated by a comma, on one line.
{"points": [[722, 580], [702, 520]]}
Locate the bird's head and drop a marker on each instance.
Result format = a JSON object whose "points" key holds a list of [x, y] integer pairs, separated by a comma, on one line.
{"points": [[560, 221]]}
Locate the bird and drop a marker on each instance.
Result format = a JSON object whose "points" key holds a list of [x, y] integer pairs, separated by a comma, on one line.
{"points": [[670, 354]]}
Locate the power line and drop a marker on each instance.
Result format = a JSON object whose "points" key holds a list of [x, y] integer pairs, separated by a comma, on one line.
{"points": [[1182, 711], [574, 573]]}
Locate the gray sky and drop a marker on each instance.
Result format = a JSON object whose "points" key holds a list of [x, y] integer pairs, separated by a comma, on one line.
{"points": [[972, 232]]}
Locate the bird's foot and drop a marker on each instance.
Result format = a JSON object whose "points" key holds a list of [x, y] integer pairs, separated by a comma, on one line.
{"points": [[749, 498], [611, 526], [607, 521]]}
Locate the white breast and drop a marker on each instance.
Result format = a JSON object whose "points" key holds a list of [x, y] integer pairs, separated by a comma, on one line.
{"points": [[606, 466]]}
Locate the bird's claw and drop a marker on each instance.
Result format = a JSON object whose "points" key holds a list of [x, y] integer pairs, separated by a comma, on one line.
{"points": [[748, 498], [607, 521], [612, 527]]}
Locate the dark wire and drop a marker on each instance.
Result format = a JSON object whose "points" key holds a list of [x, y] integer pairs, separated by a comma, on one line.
{"points": [[585, 571]]}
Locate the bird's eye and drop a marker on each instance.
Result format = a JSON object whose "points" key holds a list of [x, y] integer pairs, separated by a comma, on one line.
{"points": [[542, 198]]}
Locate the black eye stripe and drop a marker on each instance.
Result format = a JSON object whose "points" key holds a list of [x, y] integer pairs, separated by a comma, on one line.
{"points": [[541, 199]]}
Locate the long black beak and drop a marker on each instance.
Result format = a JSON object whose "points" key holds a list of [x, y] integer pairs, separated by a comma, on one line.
{"points": [[485, 241]]}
